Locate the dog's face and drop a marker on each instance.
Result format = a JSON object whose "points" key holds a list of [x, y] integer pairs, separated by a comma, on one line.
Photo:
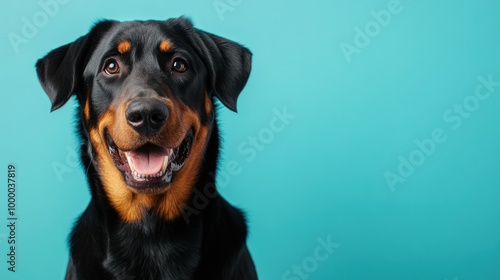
{"points": [[146, 99]]}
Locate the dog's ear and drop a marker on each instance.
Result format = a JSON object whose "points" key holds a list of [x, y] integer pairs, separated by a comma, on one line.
{"points": [[230, 64], [61, 71]]}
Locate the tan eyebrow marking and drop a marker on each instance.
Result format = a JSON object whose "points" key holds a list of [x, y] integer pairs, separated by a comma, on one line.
{"points": [[165, 46], [124, 46]]}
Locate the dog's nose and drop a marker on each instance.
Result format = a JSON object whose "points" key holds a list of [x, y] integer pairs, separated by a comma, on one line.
{"points": [[146, 115]]}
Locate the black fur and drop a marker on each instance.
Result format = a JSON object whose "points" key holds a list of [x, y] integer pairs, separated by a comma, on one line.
{"points": [[209, 243]]}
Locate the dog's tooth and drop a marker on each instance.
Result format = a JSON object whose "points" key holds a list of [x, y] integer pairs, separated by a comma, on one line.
{"points": [[129, 162], [164, 166]]}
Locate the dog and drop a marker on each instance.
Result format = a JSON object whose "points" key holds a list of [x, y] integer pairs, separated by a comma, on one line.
{"points": [[149, 146]]}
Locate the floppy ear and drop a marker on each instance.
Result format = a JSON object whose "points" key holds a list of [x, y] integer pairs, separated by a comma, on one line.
{"points": [[61, 71], [230, 65]]}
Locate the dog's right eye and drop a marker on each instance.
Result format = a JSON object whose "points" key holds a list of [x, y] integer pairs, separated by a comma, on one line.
{"points": [[111, 67], [179, 65]]}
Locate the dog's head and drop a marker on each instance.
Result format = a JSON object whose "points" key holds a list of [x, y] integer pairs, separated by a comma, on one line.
{"points": [[145, 90]]}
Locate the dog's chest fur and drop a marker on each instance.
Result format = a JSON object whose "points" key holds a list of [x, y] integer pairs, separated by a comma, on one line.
{"points": [[153, 250]]}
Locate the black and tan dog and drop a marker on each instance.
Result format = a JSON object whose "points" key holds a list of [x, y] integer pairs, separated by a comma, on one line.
{"points": [[146, 118]]}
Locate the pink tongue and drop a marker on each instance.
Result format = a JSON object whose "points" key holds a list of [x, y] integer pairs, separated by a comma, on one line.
{"points": [[147, 161]]}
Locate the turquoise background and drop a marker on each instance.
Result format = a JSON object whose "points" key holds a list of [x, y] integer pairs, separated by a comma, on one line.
{"points": [[320, 176]]}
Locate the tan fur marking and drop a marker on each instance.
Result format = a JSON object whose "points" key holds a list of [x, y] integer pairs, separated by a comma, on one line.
{"points": [[208, 104], [181, 187], [129, 205], [124, 46], [165, 46], [86, 110]]}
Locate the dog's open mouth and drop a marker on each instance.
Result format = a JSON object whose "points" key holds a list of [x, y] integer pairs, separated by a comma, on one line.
{"points": [[150, 167]]}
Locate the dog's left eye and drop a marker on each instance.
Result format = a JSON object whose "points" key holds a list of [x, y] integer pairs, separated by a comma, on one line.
{"points": [[179, 65], [111, 67]]}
